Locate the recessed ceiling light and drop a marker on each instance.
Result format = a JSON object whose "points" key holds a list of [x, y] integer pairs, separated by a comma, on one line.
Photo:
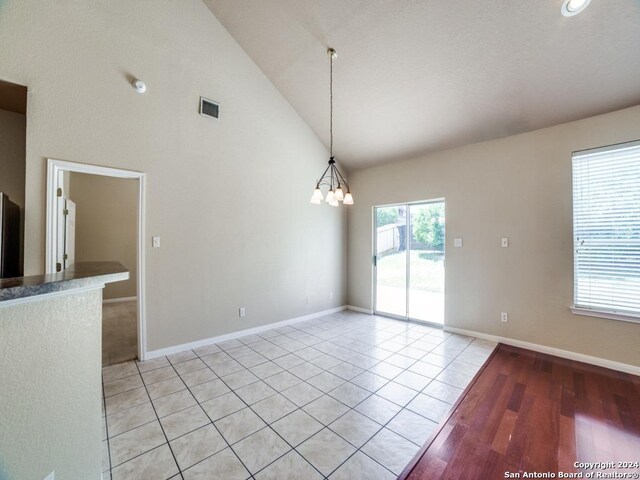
{"points": [[573, 7]]}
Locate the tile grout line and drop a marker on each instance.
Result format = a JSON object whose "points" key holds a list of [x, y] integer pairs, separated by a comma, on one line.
{"points": [[210, 420], [267, 425], [402, 408], [262, 379], [349, 352], [359, 449], [159, 423], [290, 413], [353, 408], [106, 427], [349, 409]]}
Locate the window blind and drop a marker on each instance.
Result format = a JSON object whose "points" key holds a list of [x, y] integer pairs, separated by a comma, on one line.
{"points": [[606, 228]]}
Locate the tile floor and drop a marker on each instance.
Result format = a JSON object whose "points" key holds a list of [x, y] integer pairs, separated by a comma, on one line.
{"points": [[345, 396]]}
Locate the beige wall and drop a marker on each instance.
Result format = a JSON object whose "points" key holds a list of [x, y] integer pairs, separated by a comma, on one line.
{"points": [[51, 388], [518, 187], [13, 128], [229, 198], [107, 225]]}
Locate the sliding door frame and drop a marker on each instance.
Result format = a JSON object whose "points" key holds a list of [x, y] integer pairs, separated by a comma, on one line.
{"points": [[374, 263]]}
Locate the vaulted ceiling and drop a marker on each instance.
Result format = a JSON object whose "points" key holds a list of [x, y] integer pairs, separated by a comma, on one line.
{"points": [[414, 76]]}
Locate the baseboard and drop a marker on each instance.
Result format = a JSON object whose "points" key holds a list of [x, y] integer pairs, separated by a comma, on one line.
{"points": [[359, 309], [240, 333], [579, 357], [118, 300]]}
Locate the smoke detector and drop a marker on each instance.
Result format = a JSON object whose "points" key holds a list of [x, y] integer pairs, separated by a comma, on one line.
{"points": [[573, 7]]}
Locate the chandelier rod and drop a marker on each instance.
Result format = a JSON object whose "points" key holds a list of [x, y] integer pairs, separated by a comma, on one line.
{"points": [[323, 174], [342, 180], [332, 54]]}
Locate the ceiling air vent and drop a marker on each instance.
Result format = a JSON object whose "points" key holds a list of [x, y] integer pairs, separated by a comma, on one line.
{"points": [[209, 108]]}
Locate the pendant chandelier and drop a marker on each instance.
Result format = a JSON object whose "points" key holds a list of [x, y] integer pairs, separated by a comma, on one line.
{"points": [[331, 177]]}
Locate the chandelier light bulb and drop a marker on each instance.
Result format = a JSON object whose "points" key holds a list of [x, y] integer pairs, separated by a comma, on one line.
{"points": [[330, 196], [339, 194], [317, 196], [334, 203], [348, 199]]}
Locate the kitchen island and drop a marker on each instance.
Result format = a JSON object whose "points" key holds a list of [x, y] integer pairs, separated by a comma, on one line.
{"points": [[50, 372]]}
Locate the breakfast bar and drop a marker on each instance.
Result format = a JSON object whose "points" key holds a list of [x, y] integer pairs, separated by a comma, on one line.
{"points": [[50, 372]]}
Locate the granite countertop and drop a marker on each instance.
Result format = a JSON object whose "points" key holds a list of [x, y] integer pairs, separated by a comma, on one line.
{"points": [[79, 275]]}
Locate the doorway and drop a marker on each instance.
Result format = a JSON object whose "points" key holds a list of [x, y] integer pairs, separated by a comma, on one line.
{"points": [[74, 199], [13, 134], [409, 260]]}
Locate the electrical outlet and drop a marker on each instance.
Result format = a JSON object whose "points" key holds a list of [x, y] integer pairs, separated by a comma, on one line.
{"points": [[241, 312], [504, 317], [308, 300], [505, 242], [457, 242]]}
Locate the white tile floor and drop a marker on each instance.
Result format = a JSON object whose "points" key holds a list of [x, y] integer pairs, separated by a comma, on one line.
{"points": [[345, 396]]}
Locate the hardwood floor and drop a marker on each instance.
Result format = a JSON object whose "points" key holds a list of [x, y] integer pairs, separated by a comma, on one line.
{"points": [[531, 412]]}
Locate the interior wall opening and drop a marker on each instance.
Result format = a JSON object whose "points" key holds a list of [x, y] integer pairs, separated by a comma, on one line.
{"points": [[13, 134], [96, 214], [104, 228]]}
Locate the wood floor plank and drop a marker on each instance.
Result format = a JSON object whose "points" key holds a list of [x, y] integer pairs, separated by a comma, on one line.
{"points": [[566, 454], [531, 412], [505, 430]]}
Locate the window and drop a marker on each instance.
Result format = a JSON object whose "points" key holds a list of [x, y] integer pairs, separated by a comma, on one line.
{"points": [[606, 229]]}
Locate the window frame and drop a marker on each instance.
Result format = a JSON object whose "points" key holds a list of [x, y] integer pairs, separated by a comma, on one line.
{"points": [[579, 309]]}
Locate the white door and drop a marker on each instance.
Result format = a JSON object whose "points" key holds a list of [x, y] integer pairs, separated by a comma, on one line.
{"points": [[60, 207], [69, 233]]}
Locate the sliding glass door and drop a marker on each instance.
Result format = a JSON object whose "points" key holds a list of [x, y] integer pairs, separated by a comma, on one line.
{"points": [[391, 264], [426, 262], [409, 261]]}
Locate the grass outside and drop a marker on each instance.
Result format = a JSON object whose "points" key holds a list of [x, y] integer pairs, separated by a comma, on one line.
{"points": [[426, 270]]}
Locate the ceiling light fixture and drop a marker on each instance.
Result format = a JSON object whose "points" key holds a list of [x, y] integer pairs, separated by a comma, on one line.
{"points": [[331, 176], [573, 7]]}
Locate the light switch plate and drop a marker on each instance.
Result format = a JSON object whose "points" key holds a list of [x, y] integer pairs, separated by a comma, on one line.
{"points": [[505, 242], [155, 242], [457, 242]]}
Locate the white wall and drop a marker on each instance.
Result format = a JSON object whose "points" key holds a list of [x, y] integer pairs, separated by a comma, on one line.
{"points": [[518, 187], [107, 225], [229, 198]]}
